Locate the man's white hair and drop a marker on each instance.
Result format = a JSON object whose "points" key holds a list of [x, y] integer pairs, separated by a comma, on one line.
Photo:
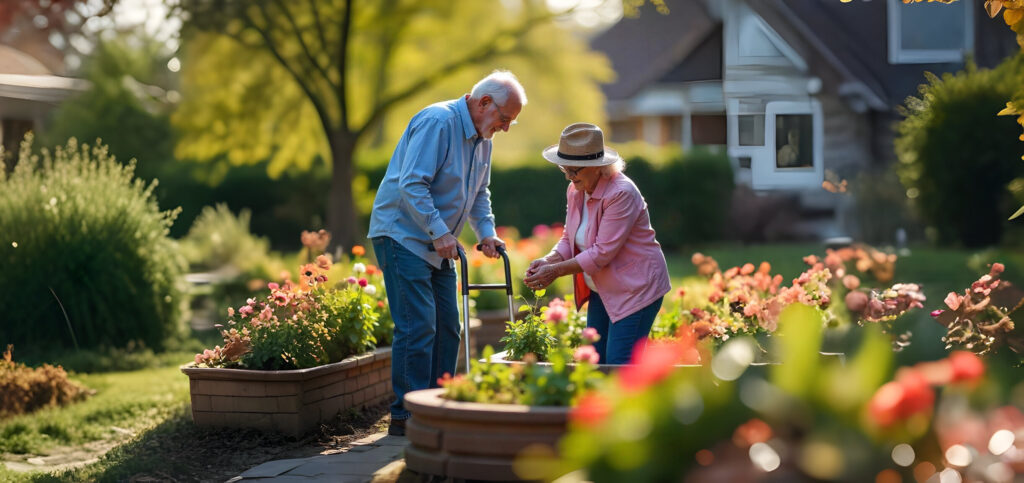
{"points": [[499, 85]]}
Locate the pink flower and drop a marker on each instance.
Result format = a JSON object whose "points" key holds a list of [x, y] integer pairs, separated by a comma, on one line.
{"points": [[591, 411], [590, 335], [541, 231], [199, 359], [556, 313], [586, 353], [997, 268], [273, 286], [851, 282], [937, 312], [953, 301], [231, 312], [245, 310], [351, 280]]}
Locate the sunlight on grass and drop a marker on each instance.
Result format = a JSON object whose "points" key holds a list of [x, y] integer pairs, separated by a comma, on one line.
{"points": [[124, 401]]}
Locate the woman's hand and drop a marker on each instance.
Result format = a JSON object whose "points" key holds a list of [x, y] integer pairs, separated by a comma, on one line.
{"points": [[534, 265], [542, 275]]}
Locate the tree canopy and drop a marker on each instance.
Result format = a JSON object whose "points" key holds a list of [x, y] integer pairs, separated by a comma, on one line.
{"points": [[298, 82]]}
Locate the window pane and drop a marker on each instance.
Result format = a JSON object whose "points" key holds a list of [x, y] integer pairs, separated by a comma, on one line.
{"points": [[751, 130], [933, 26], [794, 141]]}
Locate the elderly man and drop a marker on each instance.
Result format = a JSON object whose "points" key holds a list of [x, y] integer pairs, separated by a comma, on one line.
{"points": [[437, 179]]}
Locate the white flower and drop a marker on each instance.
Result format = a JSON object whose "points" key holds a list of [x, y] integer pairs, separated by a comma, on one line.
{"points": [[359, 268], [370, 289]]}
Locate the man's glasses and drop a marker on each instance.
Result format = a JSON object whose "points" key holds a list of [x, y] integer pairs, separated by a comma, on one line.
{"points": [[504, 119], [570, 172]]}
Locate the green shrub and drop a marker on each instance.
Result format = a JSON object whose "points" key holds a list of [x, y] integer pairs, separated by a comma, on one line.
{"points": [[218, 238], [957, 156], [85, 255], [688, 196]]}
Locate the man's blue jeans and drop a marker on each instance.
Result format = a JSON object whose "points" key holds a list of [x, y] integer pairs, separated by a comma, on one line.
{"points": [[617, 340], [423, 306]]}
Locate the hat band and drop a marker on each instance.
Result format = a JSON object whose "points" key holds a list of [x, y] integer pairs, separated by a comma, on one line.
{"points": [[580, 157]]}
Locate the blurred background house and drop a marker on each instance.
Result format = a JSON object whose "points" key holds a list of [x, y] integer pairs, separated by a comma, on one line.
{"points": [[797, 92]]}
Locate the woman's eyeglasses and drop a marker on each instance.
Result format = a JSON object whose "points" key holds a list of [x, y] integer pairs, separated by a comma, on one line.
{"points": [[570, 172]]}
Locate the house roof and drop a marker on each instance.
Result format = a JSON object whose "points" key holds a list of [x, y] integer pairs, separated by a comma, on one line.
{"points": [[14, 61], [644, 49], [845, 44]]}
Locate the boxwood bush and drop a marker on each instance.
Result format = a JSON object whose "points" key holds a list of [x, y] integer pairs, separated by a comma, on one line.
{"points": [[86, 258], [957, 157]]}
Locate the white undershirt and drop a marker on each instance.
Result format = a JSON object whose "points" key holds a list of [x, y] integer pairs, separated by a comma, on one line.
{"points": [[581, 237]]}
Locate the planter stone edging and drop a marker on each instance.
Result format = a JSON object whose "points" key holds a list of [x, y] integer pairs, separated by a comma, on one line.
{"points": [[289, 401], [476, 441]]}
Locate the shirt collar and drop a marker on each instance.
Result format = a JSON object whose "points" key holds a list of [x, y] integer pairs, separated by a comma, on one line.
{"points": [[602, 187], [468, 129]]}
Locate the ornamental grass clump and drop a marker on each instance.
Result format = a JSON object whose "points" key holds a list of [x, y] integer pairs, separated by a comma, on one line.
{"points": [[24, 389], [298, 324], [86, 257]]}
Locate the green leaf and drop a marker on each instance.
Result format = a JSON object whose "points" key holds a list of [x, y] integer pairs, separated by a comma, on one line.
{"points": [[539, 293], [798, 339], [524, 308]]}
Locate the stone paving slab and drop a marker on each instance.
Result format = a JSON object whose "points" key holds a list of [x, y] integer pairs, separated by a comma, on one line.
{"points": [[367, 457]]}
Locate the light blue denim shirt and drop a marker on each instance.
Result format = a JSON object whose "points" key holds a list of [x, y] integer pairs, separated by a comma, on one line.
{"points": [[436, 180]]}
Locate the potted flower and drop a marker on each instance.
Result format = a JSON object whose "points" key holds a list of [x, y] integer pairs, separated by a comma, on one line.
{"points": [[477, 425], [295, 356]]}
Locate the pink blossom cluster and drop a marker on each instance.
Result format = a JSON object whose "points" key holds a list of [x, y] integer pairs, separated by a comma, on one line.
{"points": [[979, 320], [885, 305]]}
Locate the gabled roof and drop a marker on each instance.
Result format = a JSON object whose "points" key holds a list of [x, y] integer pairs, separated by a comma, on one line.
{"points": [[643, 49], [845, 44]]}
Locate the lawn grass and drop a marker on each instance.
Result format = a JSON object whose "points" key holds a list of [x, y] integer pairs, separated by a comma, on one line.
{"points": [[125, 403]]}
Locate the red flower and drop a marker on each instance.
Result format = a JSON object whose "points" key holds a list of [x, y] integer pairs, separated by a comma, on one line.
{"points": [[654, 362], [591, 411], [363, 282], [967, 366], [909, 394], [750, 432]]}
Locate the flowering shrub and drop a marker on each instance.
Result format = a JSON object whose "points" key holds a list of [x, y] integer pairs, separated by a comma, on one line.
{"points": [[298, 324], [980, 319], [24, 389], [807, 419], [556, 325]]}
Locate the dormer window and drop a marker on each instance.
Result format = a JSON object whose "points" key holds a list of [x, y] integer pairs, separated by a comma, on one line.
{"points": [[930, 32]]}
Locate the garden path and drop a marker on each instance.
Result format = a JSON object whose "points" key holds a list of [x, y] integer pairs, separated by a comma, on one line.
{"points": [[374, 459]]}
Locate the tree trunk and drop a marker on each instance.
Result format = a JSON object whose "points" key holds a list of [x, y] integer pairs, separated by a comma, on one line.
{"points": [[342, 220]]}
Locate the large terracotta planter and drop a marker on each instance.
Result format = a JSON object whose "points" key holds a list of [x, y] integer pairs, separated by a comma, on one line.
{"points": [[474, 440], [291, 402]]}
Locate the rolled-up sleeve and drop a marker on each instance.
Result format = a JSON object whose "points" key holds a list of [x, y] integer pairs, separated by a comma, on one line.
{"points": [[617, 219], [425, 152], [480, 214]]}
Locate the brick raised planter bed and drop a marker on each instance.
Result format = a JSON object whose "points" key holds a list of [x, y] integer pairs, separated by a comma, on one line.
{"points": [[475, 441], [291, 402]]}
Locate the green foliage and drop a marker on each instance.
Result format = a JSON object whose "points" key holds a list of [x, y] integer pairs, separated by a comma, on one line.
{"points": [[528, 336], [87, 261], [532, 384], [298, 325], [411, 53], [687, 197], [219, 238], [957, 157], [134, 401]]}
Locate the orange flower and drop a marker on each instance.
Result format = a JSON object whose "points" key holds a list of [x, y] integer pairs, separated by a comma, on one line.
{"points": [[358, 250]]}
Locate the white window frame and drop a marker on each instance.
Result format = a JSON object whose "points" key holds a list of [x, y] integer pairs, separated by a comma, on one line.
{"points": [[899, 55], [765, 170]]}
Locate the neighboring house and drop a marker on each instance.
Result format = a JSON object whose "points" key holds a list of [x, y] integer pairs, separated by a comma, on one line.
{"points": [[789, 88], [28, 92]]}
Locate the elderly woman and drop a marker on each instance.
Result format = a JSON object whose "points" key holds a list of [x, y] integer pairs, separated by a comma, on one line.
{"points": [[608, 245]]}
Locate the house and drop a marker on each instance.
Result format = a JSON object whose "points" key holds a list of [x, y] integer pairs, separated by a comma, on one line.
{"points": [[29, 91], [790, 89]]}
